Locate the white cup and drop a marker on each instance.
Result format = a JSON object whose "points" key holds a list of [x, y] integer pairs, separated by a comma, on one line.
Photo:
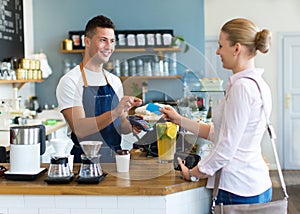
{"points": [[123, 162]]}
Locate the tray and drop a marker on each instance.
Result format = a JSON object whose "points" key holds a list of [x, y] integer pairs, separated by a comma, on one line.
{"points": [[24, 176], [61, 180], [92, 180]]}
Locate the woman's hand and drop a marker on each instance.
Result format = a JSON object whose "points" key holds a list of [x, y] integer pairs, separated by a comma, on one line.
{"points": [[184, 170], [187, 173], [171, 115]]}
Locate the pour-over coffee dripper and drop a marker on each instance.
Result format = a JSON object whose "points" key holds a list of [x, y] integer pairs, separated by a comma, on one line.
{"points": [[59, 145], [90, 166], [91, 148]]}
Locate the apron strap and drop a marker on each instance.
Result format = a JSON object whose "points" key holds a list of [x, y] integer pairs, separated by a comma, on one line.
{"points": [[106, 78], [83, 75]]}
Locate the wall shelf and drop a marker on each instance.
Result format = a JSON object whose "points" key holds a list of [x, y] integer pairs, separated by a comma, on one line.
{"points": [[216, 91], [151, 77], [18, 83], [131, 50]]}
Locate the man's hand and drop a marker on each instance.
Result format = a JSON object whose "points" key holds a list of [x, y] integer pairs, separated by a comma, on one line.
{"points": [[126, 103]]}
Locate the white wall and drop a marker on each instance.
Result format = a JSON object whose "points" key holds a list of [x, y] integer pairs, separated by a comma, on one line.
{"points": [[275, 15]]}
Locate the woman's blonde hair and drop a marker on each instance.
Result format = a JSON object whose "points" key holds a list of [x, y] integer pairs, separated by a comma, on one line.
{"points": [[245, 32]]}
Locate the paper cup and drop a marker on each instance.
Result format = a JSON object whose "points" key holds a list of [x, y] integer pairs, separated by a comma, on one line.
{"points": [[123, 162]]}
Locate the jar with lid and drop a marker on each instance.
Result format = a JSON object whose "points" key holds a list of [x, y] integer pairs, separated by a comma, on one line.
{"points": [[139, 67], [141, 41], [158, 39], [131, 40], [148, 68], [156, 71], [121, 40], [117, 69], [132, 67], [150, 39], [125, 69], [166, 66]]}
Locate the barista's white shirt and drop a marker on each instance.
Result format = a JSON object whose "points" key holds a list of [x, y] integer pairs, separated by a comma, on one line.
{"points": [[238, 127], [70, 87]]}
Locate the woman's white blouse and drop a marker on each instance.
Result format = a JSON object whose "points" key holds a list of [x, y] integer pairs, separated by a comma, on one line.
{"points": [[238, 127]]}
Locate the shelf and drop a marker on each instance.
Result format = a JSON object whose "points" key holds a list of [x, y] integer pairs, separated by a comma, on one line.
{"points": [[18, 83], [209, 91], [72, 51], [151, 77], [131, 50]]}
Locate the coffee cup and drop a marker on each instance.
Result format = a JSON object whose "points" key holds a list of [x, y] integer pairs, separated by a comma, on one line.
{"points": [[122, 160]]}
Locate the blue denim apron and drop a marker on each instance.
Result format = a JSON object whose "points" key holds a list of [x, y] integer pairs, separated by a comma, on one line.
{"points": [[96, 101]]}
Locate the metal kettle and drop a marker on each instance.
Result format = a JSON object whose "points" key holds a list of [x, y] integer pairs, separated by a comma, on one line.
{"points": [[29, 135]]}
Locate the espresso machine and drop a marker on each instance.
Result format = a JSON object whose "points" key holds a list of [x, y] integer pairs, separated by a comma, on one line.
{"points": [[27, 144], [90, 169]]}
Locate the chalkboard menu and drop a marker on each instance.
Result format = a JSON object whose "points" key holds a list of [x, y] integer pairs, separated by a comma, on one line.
{"points": [[11, 29]]}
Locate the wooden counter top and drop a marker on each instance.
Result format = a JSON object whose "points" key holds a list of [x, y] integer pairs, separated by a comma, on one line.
{"points": [[146, 177]]}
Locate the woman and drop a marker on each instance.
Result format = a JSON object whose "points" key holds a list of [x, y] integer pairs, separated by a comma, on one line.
{"points": [[238, 121]]}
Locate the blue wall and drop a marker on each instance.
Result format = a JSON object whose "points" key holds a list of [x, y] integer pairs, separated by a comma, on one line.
{"points": [[53, 19]]}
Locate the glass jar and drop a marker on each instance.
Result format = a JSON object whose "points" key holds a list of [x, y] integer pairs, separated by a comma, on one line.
{"points": [[90, 167], [59, 167]]}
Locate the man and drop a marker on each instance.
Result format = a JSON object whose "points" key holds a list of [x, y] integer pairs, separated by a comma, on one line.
{"points": [[91, 99]]}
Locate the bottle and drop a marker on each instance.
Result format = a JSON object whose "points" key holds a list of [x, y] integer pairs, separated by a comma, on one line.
{"points": [[200, 103], [195, 105], [209, 112]]}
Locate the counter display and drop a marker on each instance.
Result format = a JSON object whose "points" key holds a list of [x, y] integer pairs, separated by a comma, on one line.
{"points": [[156, 187]]}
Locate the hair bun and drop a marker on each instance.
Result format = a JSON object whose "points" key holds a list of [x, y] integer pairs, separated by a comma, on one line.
{"points": [[263, 40]]}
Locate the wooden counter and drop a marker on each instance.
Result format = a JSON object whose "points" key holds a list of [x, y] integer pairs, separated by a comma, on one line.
{"points": [[146, 177], [149, 187]]}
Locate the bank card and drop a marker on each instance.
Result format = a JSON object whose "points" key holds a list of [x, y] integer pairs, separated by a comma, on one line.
{"points": [[153, 108]]}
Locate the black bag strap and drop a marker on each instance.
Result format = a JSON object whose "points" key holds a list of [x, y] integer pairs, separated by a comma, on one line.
{"points": [[272, 136]]}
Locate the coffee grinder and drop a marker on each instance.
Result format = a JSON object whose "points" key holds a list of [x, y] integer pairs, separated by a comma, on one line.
{"points": [[27, 144], [90, 170]]}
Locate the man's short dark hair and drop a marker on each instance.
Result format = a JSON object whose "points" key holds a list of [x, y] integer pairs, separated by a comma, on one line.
{"points": [[98, 21]]}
